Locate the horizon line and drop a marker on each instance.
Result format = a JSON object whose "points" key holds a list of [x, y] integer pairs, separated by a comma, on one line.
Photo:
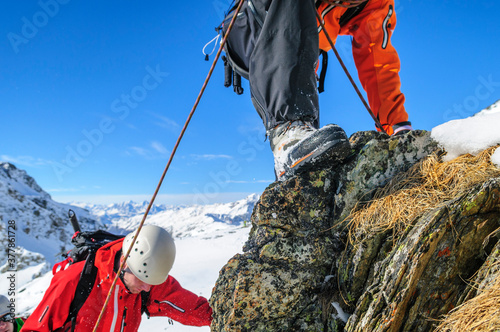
{"points": [[167, 199]]}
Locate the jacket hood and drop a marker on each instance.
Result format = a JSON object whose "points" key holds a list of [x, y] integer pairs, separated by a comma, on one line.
{"points": [[105, 260]]}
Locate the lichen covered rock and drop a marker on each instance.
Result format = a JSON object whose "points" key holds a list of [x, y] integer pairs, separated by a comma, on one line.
{"points": [[275, 284], [299, 272], [423, 276]]}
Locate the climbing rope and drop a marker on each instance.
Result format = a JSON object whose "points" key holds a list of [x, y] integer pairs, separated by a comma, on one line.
{"points": [[377, 121], [122, 265]]}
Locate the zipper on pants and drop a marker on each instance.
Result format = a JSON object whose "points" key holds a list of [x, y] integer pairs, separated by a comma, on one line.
{"points": [[385, 27]]}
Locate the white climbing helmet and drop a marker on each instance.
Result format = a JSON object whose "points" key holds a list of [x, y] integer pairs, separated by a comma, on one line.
{"points": [[152, 254], [4, 305]]}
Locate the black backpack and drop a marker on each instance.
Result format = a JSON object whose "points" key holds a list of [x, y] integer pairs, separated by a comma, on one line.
{"points": [[86, 245]]}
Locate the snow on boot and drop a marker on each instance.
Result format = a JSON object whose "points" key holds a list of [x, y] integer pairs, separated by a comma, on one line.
{"points": [[298, 144], [284, 137]]}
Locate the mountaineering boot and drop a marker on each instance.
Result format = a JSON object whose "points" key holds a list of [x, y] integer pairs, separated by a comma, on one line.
{"points": [[298, 143], [401, 128]]}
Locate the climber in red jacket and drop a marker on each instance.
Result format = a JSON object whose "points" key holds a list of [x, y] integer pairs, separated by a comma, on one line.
{"points": [[146, 270], [275, 44]]}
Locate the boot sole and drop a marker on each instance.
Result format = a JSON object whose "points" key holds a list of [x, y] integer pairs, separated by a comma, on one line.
{"points": [[333, 152]]}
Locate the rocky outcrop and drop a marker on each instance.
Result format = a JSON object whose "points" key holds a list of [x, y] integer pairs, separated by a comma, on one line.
{"points": [[299, 272]]}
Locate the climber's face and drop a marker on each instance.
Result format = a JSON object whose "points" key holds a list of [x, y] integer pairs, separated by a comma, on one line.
{"points": [[6, 323], [134, 285]]}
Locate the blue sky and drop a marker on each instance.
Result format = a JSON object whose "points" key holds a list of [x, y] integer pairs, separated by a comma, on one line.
{"points": [[94, 94]]}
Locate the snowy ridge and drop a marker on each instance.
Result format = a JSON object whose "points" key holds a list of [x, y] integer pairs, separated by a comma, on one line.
{"points": [[41, 224], [471, 135]]}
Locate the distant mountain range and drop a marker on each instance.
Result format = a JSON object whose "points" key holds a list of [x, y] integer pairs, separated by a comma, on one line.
{"points": [[126, 216], [181, 221]]}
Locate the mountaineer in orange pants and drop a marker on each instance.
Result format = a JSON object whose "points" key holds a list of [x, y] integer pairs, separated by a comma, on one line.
{"points": [[275, 44], [376, 59]]}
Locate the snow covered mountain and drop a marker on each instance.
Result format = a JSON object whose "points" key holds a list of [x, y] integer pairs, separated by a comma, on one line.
{"points": [[41, 225]]}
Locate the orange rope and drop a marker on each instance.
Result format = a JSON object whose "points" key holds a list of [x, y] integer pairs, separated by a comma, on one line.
{"points": [[122, 265]]}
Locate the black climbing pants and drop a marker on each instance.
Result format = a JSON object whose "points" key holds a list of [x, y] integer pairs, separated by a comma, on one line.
{"points": [[276, 42]]}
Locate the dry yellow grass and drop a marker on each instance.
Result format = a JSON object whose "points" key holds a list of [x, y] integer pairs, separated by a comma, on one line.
{"points": [[425, 186], [479, 314]]}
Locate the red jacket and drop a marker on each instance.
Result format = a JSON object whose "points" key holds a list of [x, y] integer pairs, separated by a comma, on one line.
{"points": [[123, 312]]}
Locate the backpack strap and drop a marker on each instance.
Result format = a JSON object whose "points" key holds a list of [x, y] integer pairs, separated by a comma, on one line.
{"points": [[144, 303], [18, 324], [62, 265], [350, 13], [83, 288], [322, 75]]}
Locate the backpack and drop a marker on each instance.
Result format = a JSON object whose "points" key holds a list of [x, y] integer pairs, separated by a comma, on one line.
{"points": [[237, 47], [85, 247]]}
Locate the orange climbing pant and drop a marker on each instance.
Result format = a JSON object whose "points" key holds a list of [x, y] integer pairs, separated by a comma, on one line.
{"points": [[376, 59]]}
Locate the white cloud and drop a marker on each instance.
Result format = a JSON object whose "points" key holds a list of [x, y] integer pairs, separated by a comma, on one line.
{"points": [[210, 156], [164, 122], [25, 160], [159, 147], [253, 128], [62, 190], [251, 181], [156, 150], [140, 151]]}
